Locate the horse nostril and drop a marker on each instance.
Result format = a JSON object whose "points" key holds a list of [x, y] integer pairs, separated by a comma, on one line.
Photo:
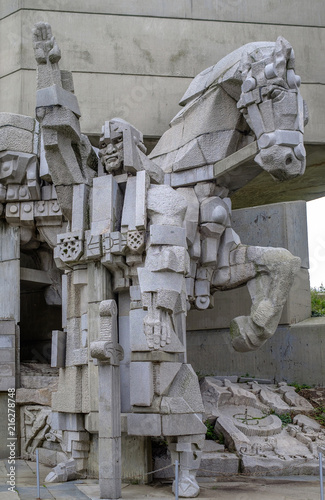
{"points": [[288, 160]]}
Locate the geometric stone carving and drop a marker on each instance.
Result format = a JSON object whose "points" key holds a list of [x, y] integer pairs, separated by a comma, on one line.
{"points": [[70, 246]]}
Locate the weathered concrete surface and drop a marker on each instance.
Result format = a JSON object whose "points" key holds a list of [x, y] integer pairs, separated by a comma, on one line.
{"points": [[245, 11], [294, 354], [278, 225], [135, 69]]}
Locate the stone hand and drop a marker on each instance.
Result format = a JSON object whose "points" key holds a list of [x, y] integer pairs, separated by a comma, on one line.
{"points": [[45, 47], [157, 326]]}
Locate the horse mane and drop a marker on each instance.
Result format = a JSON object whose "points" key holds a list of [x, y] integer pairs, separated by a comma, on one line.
{"points": [[209, 126], [229, 68]]}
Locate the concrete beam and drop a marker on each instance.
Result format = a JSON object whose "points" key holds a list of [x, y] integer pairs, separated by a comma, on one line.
{"points": [[34, 277], [292, 12]]}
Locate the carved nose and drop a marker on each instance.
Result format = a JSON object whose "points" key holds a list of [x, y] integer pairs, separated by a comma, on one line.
{"points": [[281, 162], [109, 149]]}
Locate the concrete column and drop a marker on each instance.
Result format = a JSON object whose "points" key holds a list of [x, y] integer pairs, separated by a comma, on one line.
{"points": [[9, 303], [124, 340], [108, 354]]}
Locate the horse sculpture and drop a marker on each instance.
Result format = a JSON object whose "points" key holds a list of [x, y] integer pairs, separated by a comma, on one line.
{"points": [[253, 93], [154, 232]]}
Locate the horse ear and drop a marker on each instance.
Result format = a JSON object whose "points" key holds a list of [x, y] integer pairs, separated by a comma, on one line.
{"points": [[284, 57], [245, 65]]}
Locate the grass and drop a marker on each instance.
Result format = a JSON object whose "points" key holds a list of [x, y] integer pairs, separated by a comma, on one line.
{"points": [[319, 414], [286, 418], [300, 387], [211, 434]]}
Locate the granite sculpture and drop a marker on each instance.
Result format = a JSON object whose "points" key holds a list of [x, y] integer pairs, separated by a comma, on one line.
{"points": [[141, 239]]}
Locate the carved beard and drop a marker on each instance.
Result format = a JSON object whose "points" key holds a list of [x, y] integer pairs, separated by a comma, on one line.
{"points": [[113, 161]]}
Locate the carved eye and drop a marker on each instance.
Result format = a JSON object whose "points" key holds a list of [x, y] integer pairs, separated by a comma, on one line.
{"points": [[276, 94], [103, 145]]}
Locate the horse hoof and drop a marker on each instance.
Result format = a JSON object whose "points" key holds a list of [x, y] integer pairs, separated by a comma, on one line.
{"points": [[187, 487], [246, 336]]}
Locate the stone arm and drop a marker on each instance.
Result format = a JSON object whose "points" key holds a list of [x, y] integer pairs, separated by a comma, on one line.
{"points": [[70, 157]]}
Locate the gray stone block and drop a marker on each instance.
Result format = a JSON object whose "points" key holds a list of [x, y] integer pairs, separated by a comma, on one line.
{"points": [[140, 200], [48, 457], [191, 177], [6, 382], [278, 225], [15, 139], [165, 374], [138, 340], [153, 281], [7, 370], [67, 421], [37, 381], [129, 206], [7, 341], [7, 355], [105, 195], [7, 327], [211, 446], [167, 235], [79, 204], [186, 385], [144, 424], [18, 121], [182, 424], [68, 398], [57, 96], [9, 303], [58, 351], [80, 357], [141, 383], [218, 463], [10, 242], [34, 396]]}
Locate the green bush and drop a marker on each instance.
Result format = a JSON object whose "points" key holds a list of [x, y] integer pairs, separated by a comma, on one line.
{"points": [[317, 301], [210, 434]]}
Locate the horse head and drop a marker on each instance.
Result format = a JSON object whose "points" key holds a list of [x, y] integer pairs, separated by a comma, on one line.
{"points": [[274, 109]]}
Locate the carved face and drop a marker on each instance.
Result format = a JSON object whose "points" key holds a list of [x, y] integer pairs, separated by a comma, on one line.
{"points": [[111, 153]]}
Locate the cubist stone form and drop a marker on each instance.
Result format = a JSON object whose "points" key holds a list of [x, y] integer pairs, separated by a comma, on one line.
{"points": [[142, 239]]}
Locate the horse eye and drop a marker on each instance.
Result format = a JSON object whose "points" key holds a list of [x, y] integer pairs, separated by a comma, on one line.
{"points": [[276, 94], [103, 145]]}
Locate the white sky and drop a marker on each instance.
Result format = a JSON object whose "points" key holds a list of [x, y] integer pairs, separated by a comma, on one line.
{"points": [[316, 241]]}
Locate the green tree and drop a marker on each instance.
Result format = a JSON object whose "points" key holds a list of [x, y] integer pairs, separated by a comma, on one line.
{"points": [[318, 301]]}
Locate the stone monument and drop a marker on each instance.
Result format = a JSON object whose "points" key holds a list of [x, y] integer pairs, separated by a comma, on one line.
{"points": [[142, 239]]}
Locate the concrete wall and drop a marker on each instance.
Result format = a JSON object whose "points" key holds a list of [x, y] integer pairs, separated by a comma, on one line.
{"points": [[295, 354], [135, 59]]}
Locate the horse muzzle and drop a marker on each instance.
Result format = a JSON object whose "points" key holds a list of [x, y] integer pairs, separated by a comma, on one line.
{"points": [[283, 162]]}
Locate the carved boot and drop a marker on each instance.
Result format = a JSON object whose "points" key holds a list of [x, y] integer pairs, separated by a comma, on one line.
{"points": [[188, 451]]}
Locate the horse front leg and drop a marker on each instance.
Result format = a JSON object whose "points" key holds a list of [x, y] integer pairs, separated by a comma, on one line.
{"points": [[269, 274]]}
